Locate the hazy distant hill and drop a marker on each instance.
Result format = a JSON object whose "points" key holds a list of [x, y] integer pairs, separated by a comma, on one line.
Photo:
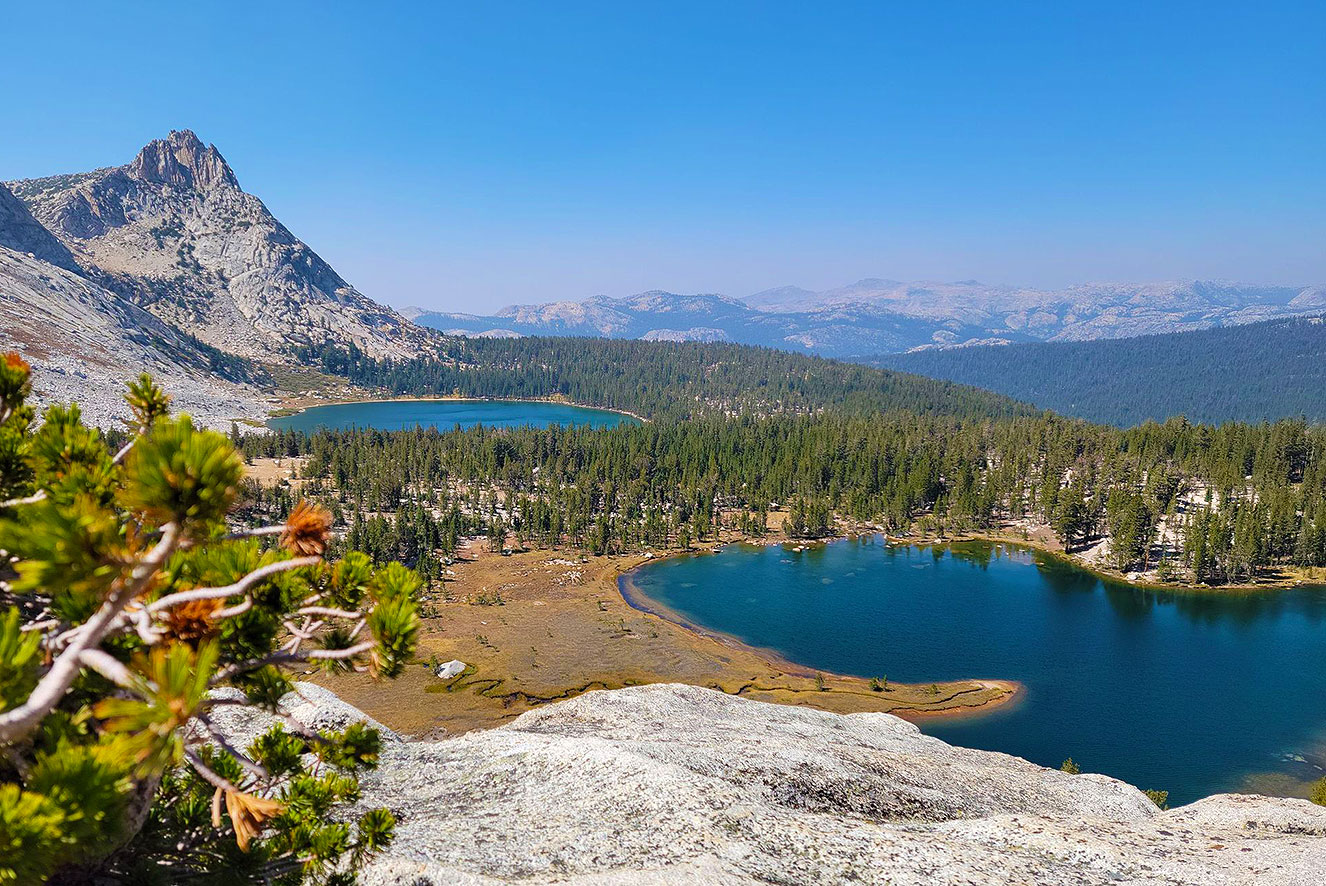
{"points": [[173, 231], [881, 316], [1259, 371]]}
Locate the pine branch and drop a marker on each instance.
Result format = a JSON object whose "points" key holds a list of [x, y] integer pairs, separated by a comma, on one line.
{"points": [[18, 722], [233, 590]]}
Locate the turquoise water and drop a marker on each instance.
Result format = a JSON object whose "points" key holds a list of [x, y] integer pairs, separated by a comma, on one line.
{"points": [[1194, 693], [398, 415]]}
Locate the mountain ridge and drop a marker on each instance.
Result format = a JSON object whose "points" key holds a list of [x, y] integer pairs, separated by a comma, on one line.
{"points": [[173, 232], [1250, 372], [875, 316], [166, 265], [21, 232], [84, 342]]}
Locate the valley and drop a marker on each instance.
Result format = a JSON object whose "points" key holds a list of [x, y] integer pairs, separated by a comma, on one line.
{"points": [[656, 445], [686, 489]]}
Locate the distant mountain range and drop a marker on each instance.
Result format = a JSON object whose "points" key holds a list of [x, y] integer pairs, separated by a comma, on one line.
{"points": [[166, 264], [873, 317], [1254, 372]]}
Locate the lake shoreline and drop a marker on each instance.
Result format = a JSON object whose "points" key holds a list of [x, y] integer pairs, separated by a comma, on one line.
{"points": [[296, 405], [1010, 691], [544, 625], [1284, 582], [1088, 655]]}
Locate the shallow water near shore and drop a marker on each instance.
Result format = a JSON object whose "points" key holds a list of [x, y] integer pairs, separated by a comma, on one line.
{"points": [[1190, 692], [398, 415]]}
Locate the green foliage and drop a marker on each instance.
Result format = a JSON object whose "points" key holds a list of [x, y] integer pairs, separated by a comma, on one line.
{"points": [[32, 836], [20, 660], [311, 777], [15, 418], [135, 594], [394, 622], [659, 379], [1160, 798], [178, 474], [1317, 792], [1246, 373], [1070, 767], [70, 459], [147, 401], [71, 552], [173, 681]]}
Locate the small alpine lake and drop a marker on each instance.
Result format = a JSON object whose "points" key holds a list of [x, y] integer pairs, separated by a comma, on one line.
{"points": [[1191, 692], [398, 415]]}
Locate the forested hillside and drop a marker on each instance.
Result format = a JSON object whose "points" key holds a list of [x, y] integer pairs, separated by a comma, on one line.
{"points": [[1208, 504], [1258, 372], [656, 379]]}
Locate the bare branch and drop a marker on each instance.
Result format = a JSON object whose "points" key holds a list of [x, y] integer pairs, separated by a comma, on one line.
{"points": [[206, 772], [300, 634], [327, 612], [282, 658], [336, 654], [235, 589], [297, 727], [142, 622], [17, 722], [29, 500], [124, 450], [253, 533], [108, 667], [232, 611], [255, 769]]}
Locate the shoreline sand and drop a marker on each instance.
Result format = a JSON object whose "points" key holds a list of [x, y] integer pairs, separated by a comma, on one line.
{"points": [[544, 625]]}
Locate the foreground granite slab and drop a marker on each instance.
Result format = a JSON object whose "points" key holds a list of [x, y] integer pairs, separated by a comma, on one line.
{"points": [[677, 784]]}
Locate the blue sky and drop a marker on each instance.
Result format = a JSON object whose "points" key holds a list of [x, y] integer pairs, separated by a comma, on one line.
{"points": [[467, 156]]}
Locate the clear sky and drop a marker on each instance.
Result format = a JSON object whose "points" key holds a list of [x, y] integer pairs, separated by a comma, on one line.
{"points": [[470, 155]]}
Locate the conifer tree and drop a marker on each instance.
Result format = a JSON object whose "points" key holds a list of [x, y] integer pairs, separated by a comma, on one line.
{"points": [[127, 602]]}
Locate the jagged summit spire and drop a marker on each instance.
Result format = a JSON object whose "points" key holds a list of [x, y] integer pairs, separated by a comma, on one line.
{"points": [[181, 159]]}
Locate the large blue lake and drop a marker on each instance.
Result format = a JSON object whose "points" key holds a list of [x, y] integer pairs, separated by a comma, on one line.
{"points": [[1194, 693], [397, 415]]}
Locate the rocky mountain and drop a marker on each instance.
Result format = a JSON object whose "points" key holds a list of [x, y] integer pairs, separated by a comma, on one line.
{"points": [[677, 784], [874, 316], [666, 316], [85, 342], [175, 233], [22, 233], [1074, 314]]}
